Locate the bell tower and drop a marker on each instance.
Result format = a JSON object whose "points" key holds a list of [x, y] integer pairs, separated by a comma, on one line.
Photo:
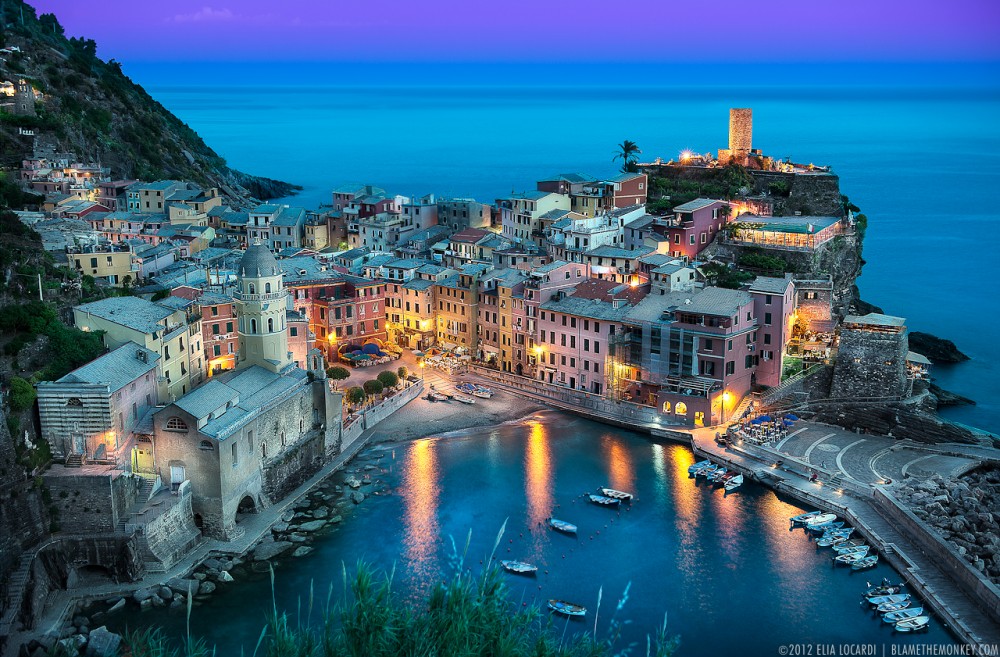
{"points": [[261, 302]]}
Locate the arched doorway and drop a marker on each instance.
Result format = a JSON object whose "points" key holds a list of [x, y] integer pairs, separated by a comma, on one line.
{"points": [[199, 522], [520, 369], [247, 505]]}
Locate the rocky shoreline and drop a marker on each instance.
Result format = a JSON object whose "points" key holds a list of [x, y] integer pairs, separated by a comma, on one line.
{"points": [[965, 511]]}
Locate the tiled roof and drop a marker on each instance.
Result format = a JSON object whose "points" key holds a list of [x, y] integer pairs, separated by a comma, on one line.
{"points": [[133, 312], [115, 369], [875, 319], [696, 204], [770, 285]]}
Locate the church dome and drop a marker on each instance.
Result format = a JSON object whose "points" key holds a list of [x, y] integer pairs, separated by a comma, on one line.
{"points": [[258, 261]]}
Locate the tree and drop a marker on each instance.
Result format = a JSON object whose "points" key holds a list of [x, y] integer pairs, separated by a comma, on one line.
{"points": [[355, 395], [627, 151], [402, 372], [373, 387], [388, 379], [338, 373], [22, 394]]}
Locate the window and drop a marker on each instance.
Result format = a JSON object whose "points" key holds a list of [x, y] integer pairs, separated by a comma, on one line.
{"points": [[229, 327], [666, 407], [767, 299], [767, 338], [217, 350], [236, 455], [282, 438], [709, 344], [253, 326], [215, 329], [74, 401], [263, 450], [270, 325], [692, 242], [176, 424], [294, 331], [267, 288], [767, 319], [730, 368], [251, 288], [681, 408], [206, 445]]}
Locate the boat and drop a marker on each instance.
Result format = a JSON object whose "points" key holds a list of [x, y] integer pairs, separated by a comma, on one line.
{"points": [[830, 541], [885, 588], [482, 391], [902, 614], [839, 531], [857, 549], [846, 546], [887, 607], [821, 519], [849, 558], [716, 474], [707, 470], [729, 475], [567, 608], [895, 597], [604, 501], [518, 567], [437, 396], [913, 624], [562, 525], [698, 466], [734, 483], [465, 400], [616, 494], [802, 518], [466, 387], [868, 562], [825, 527]]}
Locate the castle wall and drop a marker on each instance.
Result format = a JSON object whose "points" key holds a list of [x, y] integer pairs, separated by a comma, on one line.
{"points": [[91, 504], [173, 533], [870, 364]]}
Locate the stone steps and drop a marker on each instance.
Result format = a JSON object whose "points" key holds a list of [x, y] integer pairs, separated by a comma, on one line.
{"points": [[74, 461]]}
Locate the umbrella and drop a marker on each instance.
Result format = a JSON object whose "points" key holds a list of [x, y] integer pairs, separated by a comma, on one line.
{"points": [[791, 416], [788, 421], [757, 420], [764, 418], [418, 353]]}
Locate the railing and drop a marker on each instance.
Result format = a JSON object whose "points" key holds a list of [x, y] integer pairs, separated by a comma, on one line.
{"points": [[781, 390]]}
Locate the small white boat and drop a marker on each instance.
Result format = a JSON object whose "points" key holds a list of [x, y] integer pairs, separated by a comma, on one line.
{"points": [[519, 567], [802, 518], [857, 549], [698, 466], [849, 558], [821, 519], [604, 501], [734, 483], [483, 392], [465, 400], [717, 474], [895, 597], [840, 531], [567, 608], [913, 624], [847, 546], [616, 494], [562, 526], [867, 562], [885, 588], [887, 607], [707, 470], [902, 614]]}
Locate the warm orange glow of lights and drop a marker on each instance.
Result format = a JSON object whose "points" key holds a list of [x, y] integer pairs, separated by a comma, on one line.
{"points": [[538, 475], [421, 490], [621, 472]]}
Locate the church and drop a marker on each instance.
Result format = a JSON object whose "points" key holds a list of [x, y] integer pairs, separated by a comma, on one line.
{"points": [[250, 435]]}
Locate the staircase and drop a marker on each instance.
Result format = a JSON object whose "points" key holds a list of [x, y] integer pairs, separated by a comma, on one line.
{"points": [[74, 461], [836, 481], [15, 593]]}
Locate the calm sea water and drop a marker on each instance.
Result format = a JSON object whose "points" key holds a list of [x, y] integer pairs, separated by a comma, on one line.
{"points": [[924, 164], [725, 568]]}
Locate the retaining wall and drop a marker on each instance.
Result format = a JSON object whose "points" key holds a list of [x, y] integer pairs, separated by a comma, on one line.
{"points": [[172, 534]]}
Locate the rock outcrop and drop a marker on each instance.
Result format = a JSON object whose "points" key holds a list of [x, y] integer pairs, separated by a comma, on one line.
{"points": [[938, 350]]}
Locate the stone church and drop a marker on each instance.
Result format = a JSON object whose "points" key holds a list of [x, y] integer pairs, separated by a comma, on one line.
{"points": [[249, 436]]}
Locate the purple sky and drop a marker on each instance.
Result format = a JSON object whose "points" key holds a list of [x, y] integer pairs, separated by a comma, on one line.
{"points": [[533, 30]]}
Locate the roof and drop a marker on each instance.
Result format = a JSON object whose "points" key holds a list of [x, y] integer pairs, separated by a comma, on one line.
{"points": [[266, 208], [569, 177], [418, 284], [290, 217], [641, 222], [875, 319], [431, 269], [593, 308], [132, 312], [258, 261], [914, 357], [697, 204], [609, 251], [770, 285], [718, 301], [117, 368], [552, 266], [800, 224], [469, 235], [623, 177]]}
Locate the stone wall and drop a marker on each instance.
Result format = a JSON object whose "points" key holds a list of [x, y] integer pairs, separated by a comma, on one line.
{"points": [[23, 519], [811, 194], [173, 533], [92, 504], [870, 364], [292, 467], [379, 412], [897, 419]]}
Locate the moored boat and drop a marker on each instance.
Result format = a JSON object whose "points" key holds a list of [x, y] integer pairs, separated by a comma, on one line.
{"points": [[698, 466], [604, 501], [734, 483], [562, 525], [885, 588], [616, 494], [849, 558], [847, 546], [867, 562], [895, 597], [821, 519], [718, 474], [913, 624], [706, 470], [567, 608], [902, 614], [465, 400], [519, 567], [887, 607], [802, 518], [825, 527]]}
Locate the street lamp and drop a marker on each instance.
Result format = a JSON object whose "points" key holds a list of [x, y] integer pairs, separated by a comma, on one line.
{"points": [[725, 398], [421, 366]]}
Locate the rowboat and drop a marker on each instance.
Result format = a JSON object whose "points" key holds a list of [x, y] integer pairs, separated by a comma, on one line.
{"points": [[562, 526], [895, 597], [717, 474], [847, 546], [867, 562], [464, 399], [436, 396], [518, 567], [839, 531], [825, 527], [604, 501], [887, 607], [885, 588], [902, 614], [483, 393], [706, 470], [849, 558], [567, 608], [698, 466], [616, 494], [913, 624], [831, 540], [802, 518], [466, 387], [821, 519], [857, 549], [734, 483]]}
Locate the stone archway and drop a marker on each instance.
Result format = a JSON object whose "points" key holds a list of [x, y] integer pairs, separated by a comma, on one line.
{"points": [[247, 505]]}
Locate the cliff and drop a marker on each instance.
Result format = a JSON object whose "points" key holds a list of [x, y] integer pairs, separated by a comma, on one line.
{"points": [[89, 107]]}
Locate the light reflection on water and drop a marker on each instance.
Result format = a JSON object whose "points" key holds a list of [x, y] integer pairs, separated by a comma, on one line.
{"points": [[618, 460], [420, 490], [538, 484]]}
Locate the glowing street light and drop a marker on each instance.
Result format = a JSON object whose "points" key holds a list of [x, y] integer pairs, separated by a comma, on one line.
{"points": [[686, 155]]}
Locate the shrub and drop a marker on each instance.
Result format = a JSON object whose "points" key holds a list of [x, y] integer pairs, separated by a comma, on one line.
{"points": [[388, 379], [22, 394]]}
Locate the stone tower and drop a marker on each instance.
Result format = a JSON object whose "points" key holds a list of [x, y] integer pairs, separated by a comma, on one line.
{"points": [[871, 358], [740, 130], [261, 302], [24, 99]]}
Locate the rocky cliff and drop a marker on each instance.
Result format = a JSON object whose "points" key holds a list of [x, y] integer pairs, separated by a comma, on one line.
{"points": [[88, 106]]}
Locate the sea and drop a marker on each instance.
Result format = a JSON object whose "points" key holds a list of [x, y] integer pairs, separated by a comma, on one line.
{"points": [[920, 158]]}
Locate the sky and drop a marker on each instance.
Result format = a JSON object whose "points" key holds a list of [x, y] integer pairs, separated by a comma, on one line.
{"points": [[144, 31]]}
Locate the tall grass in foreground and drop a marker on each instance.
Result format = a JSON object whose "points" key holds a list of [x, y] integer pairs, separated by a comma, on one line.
{"points": [[467, 615]]}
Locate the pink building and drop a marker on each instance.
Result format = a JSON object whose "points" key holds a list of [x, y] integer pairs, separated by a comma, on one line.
{"points": [[694, 226], [774, 307], [574, 330], [542, 283]]}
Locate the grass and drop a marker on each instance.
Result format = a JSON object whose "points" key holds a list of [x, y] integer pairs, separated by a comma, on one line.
{"points": [[467, 615]]}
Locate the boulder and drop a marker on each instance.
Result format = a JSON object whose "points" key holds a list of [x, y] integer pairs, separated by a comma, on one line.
{"points": [[298, 538], [268, 551], [103, 643], [118, 606], [312, 526], [80, 620], [206, 588], [336, 519], [357, 497], [146, 604], [321, 513], [142, 595], [72, 644], [279, 527], [158, 601], [165, 593], [287, 516], [199, 576], [353, 482], [224, 576], [302, 551]]}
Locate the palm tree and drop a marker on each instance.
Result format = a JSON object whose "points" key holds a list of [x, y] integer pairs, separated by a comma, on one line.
{"points": [[628, 149]]}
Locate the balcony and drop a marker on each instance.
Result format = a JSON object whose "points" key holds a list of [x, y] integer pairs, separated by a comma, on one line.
{"points": [[259, 298]]}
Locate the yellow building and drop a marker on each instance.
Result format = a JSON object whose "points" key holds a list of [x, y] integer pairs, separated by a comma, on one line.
{"points": [[457, 309], [113, 263], [317, 234], [165, 327]]}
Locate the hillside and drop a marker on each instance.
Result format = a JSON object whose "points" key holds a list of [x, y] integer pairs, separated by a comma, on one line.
{"points": [[91, 108]]}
